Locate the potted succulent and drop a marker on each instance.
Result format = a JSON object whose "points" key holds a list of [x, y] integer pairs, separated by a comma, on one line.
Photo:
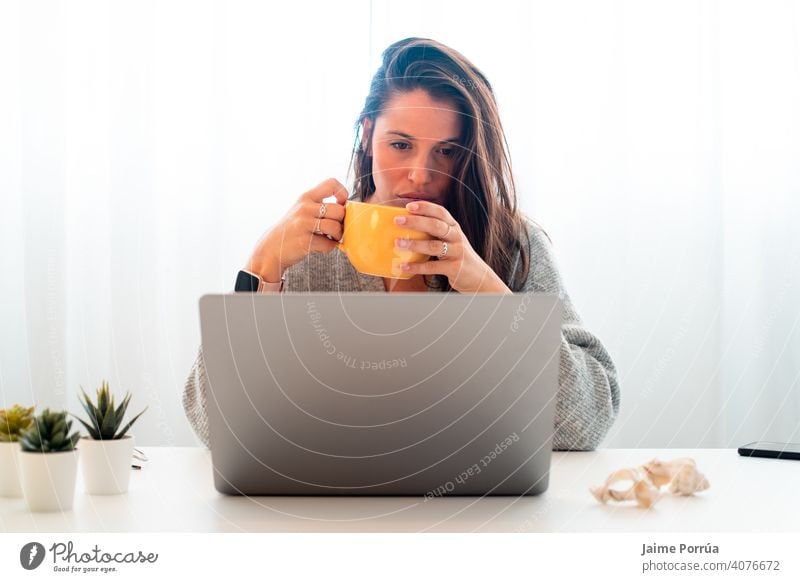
{"points": [[107, 452], [49, 462], [12, 421]]}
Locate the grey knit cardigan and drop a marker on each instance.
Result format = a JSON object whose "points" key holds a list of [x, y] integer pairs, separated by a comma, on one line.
{"points": [[588, 394]]}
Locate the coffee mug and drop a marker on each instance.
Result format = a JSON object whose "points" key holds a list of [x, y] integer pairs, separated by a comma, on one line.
{"points": [[368, 239]]}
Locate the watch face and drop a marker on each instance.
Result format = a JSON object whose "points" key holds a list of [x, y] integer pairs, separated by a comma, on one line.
{"points": [[246, 282]]}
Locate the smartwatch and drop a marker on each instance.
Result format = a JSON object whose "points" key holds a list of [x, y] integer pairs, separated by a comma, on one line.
{"points": [[251, 283]]}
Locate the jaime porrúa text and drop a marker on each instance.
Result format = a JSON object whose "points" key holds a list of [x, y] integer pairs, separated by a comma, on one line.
{"points": [[679, 549]]}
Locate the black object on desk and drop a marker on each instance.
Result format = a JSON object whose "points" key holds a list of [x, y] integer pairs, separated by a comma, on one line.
{"points": [[771, 450]]}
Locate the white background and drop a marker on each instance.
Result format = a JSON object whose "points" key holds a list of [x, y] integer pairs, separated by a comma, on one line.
{"points": [[146, 146], [353, 557]]}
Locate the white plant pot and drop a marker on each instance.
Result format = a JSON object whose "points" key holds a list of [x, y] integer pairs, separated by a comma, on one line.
{"points": [[48, 479], [9, 470], [106, 465]]}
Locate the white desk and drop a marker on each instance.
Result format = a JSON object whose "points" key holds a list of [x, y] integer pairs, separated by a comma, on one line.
{"points": [[174, 493]]}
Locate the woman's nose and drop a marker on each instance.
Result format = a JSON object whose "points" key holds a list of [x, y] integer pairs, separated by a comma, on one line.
{"points": [[420, 173]]}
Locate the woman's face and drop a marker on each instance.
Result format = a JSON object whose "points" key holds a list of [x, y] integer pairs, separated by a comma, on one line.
{"points": [[413, 148]]}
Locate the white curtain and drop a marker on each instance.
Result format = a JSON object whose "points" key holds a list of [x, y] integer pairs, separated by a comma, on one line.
{"points": [[146, 146]]}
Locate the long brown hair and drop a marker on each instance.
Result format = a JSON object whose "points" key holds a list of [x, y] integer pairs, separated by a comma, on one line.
{"points": [[482, 197]]}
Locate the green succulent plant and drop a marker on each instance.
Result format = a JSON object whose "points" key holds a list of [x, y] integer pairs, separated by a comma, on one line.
{"points": [[12, 421], [104, 419], [49, 433]]}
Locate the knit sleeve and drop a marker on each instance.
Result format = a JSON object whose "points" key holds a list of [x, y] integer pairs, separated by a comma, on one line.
{"points": [[588, 393], [194, 398]]}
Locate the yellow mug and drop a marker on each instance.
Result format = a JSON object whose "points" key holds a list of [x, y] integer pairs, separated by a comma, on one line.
{"points": [[368, 240]]}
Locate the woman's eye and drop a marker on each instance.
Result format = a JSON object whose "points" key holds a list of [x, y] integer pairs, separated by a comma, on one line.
{"points": [[403, 146]]}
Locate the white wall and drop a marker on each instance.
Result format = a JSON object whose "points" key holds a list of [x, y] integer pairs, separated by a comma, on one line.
{"points": [[145, 147]]}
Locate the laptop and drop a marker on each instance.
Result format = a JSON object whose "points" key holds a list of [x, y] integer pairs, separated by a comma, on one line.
{"points": [[428, 394]]}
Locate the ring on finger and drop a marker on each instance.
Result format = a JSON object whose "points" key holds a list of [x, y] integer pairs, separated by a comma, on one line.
{"points": [[443, 254], [316, 227], [322, 210], [449, 227]]}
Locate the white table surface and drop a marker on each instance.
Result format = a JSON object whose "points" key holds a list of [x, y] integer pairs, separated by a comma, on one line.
{"points": [[174, 493]]}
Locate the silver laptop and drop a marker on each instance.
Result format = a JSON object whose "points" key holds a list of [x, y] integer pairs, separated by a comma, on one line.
{"points": [[381, 394]]}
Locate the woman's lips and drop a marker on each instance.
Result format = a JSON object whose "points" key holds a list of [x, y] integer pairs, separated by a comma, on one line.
{"points": [[418, 199]]}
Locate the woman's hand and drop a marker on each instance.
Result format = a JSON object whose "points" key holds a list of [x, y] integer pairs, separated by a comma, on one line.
{"points": [[310, 226], [464, 268]]}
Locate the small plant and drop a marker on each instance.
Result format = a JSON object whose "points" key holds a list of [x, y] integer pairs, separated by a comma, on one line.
{"points": [[14, 420], [104, 418], [49, 433]]}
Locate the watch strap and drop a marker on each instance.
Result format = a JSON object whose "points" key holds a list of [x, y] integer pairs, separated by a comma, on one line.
{"points": [[249, 282]]}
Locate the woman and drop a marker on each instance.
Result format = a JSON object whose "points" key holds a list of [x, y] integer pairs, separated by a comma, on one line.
{"points": [[430, 135]]}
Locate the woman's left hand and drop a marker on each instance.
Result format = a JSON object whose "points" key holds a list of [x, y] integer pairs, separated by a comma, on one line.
{"points": [[464, 268]]}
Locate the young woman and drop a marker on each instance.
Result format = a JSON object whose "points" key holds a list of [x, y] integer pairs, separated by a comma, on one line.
{"points": [[430, 134]]}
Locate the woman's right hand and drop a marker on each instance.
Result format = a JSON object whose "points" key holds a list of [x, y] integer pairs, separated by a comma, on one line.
{"points": [[294, 237]]}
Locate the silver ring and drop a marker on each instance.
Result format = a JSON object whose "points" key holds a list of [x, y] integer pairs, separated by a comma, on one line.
{"points": [[322, 210], [316, 227], [444, 250]]}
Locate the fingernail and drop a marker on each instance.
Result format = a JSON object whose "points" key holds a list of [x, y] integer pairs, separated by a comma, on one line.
{"points": [[413, 206], [401, 242], [399, 219], [405, 266]]}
